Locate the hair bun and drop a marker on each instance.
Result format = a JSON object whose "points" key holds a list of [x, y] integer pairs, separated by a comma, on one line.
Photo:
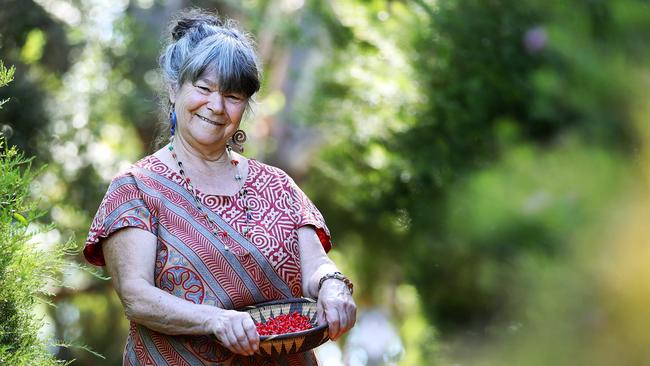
{"points": [[191, 19]]}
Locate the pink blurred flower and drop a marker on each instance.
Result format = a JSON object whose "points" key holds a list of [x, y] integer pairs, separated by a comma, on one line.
{"points": [[535, 39]]}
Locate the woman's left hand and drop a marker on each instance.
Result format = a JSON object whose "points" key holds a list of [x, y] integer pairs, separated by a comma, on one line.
{"points": [[336, 306]]}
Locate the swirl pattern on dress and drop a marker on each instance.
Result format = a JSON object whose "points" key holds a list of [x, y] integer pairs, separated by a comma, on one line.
{"points": [[212, 201], [256, 203], [156, 166], [182, 282]]}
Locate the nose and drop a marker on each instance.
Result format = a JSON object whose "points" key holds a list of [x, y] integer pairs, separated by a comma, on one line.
{"points": [[216, 103]]}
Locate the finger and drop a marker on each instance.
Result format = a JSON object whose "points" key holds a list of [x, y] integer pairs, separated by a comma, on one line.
{"points": [[333, 319], [352, 311], [251, 333], [242, 338], [232, 340], [221, 336], [343, 321]]}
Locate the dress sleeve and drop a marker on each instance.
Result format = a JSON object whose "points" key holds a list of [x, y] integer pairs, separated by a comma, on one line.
{"points": [[121, 207], [308, 214]]}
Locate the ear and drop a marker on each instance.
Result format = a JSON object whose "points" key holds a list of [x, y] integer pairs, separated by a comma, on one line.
{"points": [[172, 93]]}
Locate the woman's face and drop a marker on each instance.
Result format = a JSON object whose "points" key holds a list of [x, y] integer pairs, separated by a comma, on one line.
{"points": [[204, 115]]}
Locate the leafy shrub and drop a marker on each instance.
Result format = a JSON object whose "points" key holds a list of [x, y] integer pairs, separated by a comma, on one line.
{"points": [[25, 270]]}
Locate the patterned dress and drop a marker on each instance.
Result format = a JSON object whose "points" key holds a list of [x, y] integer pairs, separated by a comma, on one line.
{"points": [[191, 262]]}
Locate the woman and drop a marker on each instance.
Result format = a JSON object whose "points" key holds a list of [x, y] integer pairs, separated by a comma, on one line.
{"points": [[196, 230]]}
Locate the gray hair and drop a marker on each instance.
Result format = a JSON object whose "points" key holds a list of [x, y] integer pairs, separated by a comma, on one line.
{"points": [[201, 42]]}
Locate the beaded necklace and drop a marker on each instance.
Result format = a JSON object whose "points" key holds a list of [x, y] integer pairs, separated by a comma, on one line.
{"points": [[246, 230]]}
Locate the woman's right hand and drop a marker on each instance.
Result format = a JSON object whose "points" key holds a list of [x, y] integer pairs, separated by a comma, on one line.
{"points": [[236, 331]]}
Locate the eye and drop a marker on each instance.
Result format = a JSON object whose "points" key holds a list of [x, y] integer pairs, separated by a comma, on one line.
{"points": [[202, 88], [235, 97]]}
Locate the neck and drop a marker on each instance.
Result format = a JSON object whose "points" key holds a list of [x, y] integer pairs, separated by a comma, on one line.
{"points": [[197, 155], [207, 170]]}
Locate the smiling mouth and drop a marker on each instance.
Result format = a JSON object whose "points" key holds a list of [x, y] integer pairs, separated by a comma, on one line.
{"points": [[209, 120]]}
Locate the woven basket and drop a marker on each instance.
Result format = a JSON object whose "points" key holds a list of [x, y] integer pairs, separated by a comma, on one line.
{"points": [[296, 342]]}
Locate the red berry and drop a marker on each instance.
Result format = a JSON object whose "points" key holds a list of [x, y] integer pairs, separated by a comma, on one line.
{"points": [[284, 323]]}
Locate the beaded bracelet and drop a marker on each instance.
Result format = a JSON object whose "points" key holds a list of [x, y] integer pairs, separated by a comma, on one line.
{"points": [[338, 276]]}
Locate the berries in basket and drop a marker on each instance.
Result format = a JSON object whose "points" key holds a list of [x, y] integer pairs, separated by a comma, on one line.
{"points": [[287, 326]]}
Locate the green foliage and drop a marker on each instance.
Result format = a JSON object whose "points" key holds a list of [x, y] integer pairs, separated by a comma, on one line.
{"points": [[494, 71], [25, 269], [6, 76], [532, 203], [515, 103]]}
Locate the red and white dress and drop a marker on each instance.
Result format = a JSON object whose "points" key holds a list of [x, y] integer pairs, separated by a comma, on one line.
{"points": [[191, 262]]}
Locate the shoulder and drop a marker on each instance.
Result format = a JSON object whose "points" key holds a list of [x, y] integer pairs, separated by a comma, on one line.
{"points": [[263, 171]]}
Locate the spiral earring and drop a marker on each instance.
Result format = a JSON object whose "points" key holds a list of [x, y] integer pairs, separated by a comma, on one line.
{"points": [[172, 120], [237, 141]]}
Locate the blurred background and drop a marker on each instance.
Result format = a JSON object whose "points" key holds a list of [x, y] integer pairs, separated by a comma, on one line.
{"points": [[482, 164]]}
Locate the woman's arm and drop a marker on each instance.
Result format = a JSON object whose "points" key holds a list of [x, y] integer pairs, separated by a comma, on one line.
{"points": [[335, 303], [130, 256]]}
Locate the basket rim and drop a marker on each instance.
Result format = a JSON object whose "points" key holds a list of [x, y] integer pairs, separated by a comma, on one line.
{"points": [[292, 300]]}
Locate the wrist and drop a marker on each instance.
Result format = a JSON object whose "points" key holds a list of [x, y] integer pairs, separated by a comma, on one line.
{"points": [[336, 276]]}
